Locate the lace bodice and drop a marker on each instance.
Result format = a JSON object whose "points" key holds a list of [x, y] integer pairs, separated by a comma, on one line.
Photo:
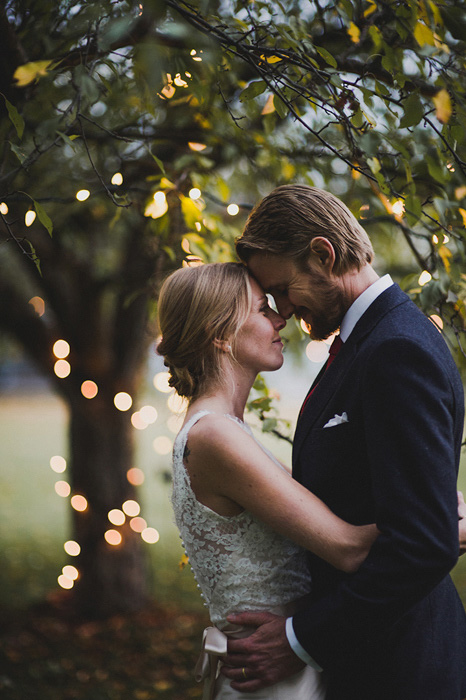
{"points": [[239, 563]]}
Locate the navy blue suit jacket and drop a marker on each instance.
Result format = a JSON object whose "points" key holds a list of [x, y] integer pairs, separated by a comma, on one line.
{"points": [[396, 629]]}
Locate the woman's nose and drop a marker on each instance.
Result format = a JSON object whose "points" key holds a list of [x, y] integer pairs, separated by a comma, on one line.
{"points": [[284, 307]]}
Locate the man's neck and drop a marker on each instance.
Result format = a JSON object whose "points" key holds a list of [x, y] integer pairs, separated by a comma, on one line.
{"points": [[355, 282]]}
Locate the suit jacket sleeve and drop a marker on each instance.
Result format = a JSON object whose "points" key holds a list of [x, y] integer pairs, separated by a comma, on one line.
{"points": [[411, 411]]}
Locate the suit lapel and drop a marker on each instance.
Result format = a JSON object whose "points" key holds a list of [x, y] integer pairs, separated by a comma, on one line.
{"points": [[331, 380]]}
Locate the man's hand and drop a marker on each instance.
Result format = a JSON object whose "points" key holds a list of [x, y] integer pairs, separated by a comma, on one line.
{"points": [[262, 659]]}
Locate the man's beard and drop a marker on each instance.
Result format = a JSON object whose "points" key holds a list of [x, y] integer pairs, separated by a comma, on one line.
{"points": [[327, 315]]}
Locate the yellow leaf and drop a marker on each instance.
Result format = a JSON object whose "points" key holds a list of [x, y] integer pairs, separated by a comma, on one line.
{"points": [[463, 214], [271, 59], [369, 10], [445, 253], [354, 32], [269, 106], [443, 108], [166, 184], [423, 34], [183, 561], [29, 72]]}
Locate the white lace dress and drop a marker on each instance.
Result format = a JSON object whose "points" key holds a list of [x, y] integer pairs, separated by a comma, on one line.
{"points": [[240, 564]]}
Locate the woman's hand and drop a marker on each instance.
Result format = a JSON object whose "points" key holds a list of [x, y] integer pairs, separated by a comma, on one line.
{"points": [[462, 522]]}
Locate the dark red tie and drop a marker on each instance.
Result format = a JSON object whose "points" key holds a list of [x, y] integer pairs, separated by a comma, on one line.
{"points": [[333, 352]]}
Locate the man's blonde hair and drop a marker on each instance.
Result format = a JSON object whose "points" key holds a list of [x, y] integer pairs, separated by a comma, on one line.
{"points": [[197, 306], [286, 221]]}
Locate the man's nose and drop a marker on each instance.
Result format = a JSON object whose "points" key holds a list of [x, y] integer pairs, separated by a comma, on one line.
{"points": [[284, 307]]}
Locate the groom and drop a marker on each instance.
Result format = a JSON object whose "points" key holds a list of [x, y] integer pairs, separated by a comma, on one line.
{"points": [[378, 439]]}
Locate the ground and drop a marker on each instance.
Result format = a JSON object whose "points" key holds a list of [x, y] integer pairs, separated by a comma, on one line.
{"points": [[149, 655]]}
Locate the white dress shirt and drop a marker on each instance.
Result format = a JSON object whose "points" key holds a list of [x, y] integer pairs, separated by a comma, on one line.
{"points": [[352, 316]]}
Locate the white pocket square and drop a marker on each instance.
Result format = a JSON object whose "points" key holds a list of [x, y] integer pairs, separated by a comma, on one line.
{"points": [[337, 420]]}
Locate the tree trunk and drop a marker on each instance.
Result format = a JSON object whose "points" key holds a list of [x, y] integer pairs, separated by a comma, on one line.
{"points": [[112, 578]]}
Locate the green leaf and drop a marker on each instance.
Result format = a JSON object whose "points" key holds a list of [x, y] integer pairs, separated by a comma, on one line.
{"points": [[43, 217], [15, 118], [114, 30], [19, 153], [257, 87], [280, 107], [34, 257], [413, 111], [326, 55], [159, 162], [413, 209]]}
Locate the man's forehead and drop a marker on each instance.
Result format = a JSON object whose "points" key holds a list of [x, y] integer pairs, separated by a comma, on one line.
{"points": [[271, 270]]}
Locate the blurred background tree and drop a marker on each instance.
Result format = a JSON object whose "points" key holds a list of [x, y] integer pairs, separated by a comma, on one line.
{"points": [[137, 135]]}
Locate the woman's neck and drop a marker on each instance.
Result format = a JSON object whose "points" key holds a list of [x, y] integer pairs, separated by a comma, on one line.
{"points": [[228, 396]]}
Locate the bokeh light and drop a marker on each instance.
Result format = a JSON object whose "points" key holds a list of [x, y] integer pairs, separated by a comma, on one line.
{"points": [[62, 368], [437, 321], [58, 464], [162, 445], [61, 349], [63, 489], [131, 508], [113, 537], [424, 277], [89, 389], [117, 179], [79, 503], [137, 524], [148, 414], [116, 516], [150, 535], [174, 423], [30, 217], [196, 146], [3, 208], [233, 209], [137, 421], [70, 572], [316, 351], [82, 195], [123, 401], [65, 582], [38, 305], [161, 382], [195, 193], [177, 404], [135, 476], [72, 548], [158, 206]]}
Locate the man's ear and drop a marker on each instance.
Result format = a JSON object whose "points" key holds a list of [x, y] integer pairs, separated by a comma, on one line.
{"points": [[223, 345], [323, 253]]}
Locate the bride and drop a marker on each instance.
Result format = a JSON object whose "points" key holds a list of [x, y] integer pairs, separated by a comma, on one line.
{"points": [[245, 523]]}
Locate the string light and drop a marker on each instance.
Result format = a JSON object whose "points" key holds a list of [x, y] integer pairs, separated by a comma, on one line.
{"points": [[30, 217], [437, 321], [63, 489], [113, 537], [158, 207], [58, 464], [79, 503], [61, 349], [233, 209], [177, 404], [162, 445], [194, 56], [116, 516], [89, 389], [149, 414], [138, 421], [72, 548], [38, 305], [122, 401], [135, 476], [131, 508], [117, 179], [194, 193], [150, 535], [82, 195], [304, 326], [161, 380], [316, 351], [424, 278], [70, 572], [65, 582], [196, 146], [138, 524], [62, 368], [3, 208]]}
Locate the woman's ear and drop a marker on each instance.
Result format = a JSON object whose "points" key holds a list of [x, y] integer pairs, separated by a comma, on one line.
{"points": [[223, 345], [323, 253]]}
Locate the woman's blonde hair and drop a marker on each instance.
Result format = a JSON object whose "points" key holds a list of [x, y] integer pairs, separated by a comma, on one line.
{"points": [[197, 306], [287, 219]]}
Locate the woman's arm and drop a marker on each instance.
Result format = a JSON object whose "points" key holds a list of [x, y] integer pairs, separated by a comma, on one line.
{"points": [[227, 467]]}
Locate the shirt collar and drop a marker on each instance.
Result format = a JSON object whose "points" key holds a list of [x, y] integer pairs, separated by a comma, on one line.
{"points": [[361, 304]]}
